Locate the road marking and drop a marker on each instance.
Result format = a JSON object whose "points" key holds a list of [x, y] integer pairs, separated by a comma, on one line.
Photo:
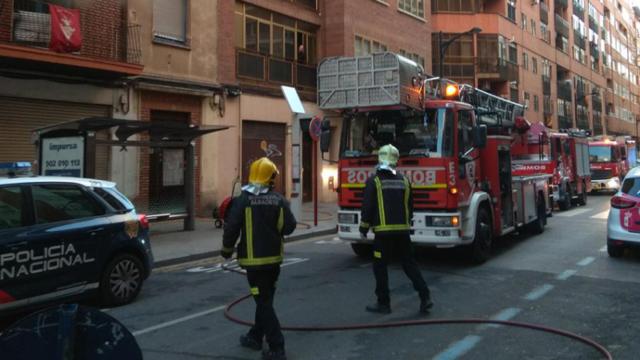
{"points": [[459, 348], [178, 321], [572, 213], [234, 266], [586, 261], [601, 215], [603, 249], [332, 241], [538, 292], [504, 315], [566, 274]]}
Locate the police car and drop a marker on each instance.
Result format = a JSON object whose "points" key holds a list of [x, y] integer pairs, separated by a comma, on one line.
{"points": [[62, 237]]}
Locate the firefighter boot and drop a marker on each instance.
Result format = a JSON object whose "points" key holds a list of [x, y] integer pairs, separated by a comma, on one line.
{"points": [[379, 308], [250, 342], [274, 354], [425, 304]]}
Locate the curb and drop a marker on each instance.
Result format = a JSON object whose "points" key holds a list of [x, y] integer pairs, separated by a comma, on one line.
{"points": [[204, 255]]}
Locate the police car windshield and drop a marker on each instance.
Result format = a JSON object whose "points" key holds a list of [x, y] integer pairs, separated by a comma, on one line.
{"points": [[414, 133]]}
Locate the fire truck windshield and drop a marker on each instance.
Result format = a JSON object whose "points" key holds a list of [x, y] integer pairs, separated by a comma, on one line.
{"points": [[601, 154], [428, 133]]}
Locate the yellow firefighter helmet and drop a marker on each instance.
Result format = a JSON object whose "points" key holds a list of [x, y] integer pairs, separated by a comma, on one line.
{"points": [[262, 171], [388, 156]]}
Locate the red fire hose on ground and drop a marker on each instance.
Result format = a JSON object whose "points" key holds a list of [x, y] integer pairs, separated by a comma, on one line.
{"points": [[421, 322]]}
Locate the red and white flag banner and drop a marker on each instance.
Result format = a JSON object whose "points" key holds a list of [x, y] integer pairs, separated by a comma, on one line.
{"points": [[65, 29]]}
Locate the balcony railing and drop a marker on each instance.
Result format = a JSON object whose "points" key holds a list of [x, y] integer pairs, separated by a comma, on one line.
{"points": [[595, 50], [564, 90], [562, 26], [578, 10], [546, 85], [496, 68], [113, 40], [593, 25], [264, 68], [544, 13], [561, 3]]}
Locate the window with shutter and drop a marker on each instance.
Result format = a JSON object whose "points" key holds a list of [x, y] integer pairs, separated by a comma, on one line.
{"points": [[170, 20]]}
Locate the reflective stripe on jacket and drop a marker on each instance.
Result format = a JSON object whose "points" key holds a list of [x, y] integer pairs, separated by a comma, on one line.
{"points": [[388, 204], [260, 221]]}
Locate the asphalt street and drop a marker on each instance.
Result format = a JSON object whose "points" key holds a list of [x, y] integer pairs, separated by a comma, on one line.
{"points": [[562, 278]]}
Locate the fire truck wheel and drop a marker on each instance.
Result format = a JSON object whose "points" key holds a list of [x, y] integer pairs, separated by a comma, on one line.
{"points": [[537, 227], [615, 251], [480, 249], [364, 251], [565, 203]]}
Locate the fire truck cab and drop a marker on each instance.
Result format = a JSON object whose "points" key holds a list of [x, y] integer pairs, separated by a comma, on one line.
{"points": [[455, 148], [608, 157]]}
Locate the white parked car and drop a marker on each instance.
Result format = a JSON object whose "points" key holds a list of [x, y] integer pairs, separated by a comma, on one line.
{"points": [[623, 224]]}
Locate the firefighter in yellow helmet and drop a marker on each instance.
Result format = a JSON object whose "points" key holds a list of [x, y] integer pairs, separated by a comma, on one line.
{"points": [[260, 217], [387, 208]]}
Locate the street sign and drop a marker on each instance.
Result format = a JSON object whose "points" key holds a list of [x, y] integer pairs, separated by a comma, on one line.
{"points": [[315, 128]]}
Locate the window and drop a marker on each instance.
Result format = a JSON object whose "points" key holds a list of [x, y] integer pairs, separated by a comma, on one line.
{"points": [[11, 208], [465, 131], [513, 53], [413, 7], [534, 65], [526, 99], [523, 21], [63, 202], [455, 6], [533, 27], [364, 46], [525, 61], [170, 20], [544, 33], [415, 57], [536, 106], [116, 200], [511, 10]]}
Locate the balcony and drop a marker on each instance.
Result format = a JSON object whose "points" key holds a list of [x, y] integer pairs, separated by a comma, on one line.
{"points": [[561, 3], [262, 70], [546, 85], [564, 90], [110, 46], [594, 50], [497, 69], [544, 13], [578, 11], [562, 26]]}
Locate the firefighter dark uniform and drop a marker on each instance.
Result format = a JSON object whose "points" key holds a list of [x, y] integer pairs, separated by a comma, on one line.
{"points": [[387, 209], [260, 217]]}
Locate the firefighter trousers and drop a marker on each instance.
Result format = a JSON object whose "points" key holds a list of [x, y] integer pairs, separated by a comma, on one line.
{"points": [[383, 246], [263, 288]]}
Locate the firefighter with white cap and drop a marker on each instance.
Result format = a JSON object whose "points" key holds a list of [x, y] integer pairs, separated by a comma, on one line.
{"points": [[260, 217], [387, 209]]}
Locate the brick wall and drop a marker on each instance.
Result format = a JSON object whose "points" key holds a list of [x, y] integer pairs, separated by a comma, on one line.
{"points": [[226, 44], [6, 15], [150, 101]]}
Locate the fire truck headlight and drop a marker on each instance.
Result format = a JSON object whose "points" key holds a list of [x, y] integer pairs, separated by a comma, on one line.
{"points": [[345, 218], [442, 221]]}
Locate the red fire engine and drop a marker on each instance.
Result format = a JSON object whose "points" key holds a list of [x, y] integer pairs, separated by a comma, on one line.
{"points": [[455, 143], [609, 163], [562, 155]]}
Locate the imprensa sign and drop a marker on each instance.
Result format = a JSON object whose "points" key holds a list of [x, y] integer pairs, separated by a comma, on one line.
{"points": [[63, 156]]}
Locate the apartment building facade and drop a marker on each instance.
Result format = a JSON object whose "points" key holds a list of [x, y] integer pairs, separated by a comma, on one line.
{"points": [[573, 63], [265, 44]]}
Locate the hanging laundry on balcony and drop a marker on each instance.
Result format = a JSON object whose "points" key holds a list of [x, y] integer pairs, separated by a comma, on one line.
{"points": [[66, 35]]}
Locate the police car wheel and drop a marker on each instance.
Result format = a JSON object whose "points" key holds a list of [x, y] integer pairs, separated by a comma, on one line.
{"points": [[122, 280]]}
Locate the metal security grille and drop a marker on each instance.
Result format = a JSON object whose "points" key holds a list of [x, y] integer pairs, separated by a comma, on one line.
{"points": [[601, 174], [19, 117]]}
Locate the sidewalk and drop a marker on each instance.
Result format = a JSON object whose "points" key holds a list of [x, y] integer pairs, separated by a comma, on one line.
{"points": [[170, 244]]}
